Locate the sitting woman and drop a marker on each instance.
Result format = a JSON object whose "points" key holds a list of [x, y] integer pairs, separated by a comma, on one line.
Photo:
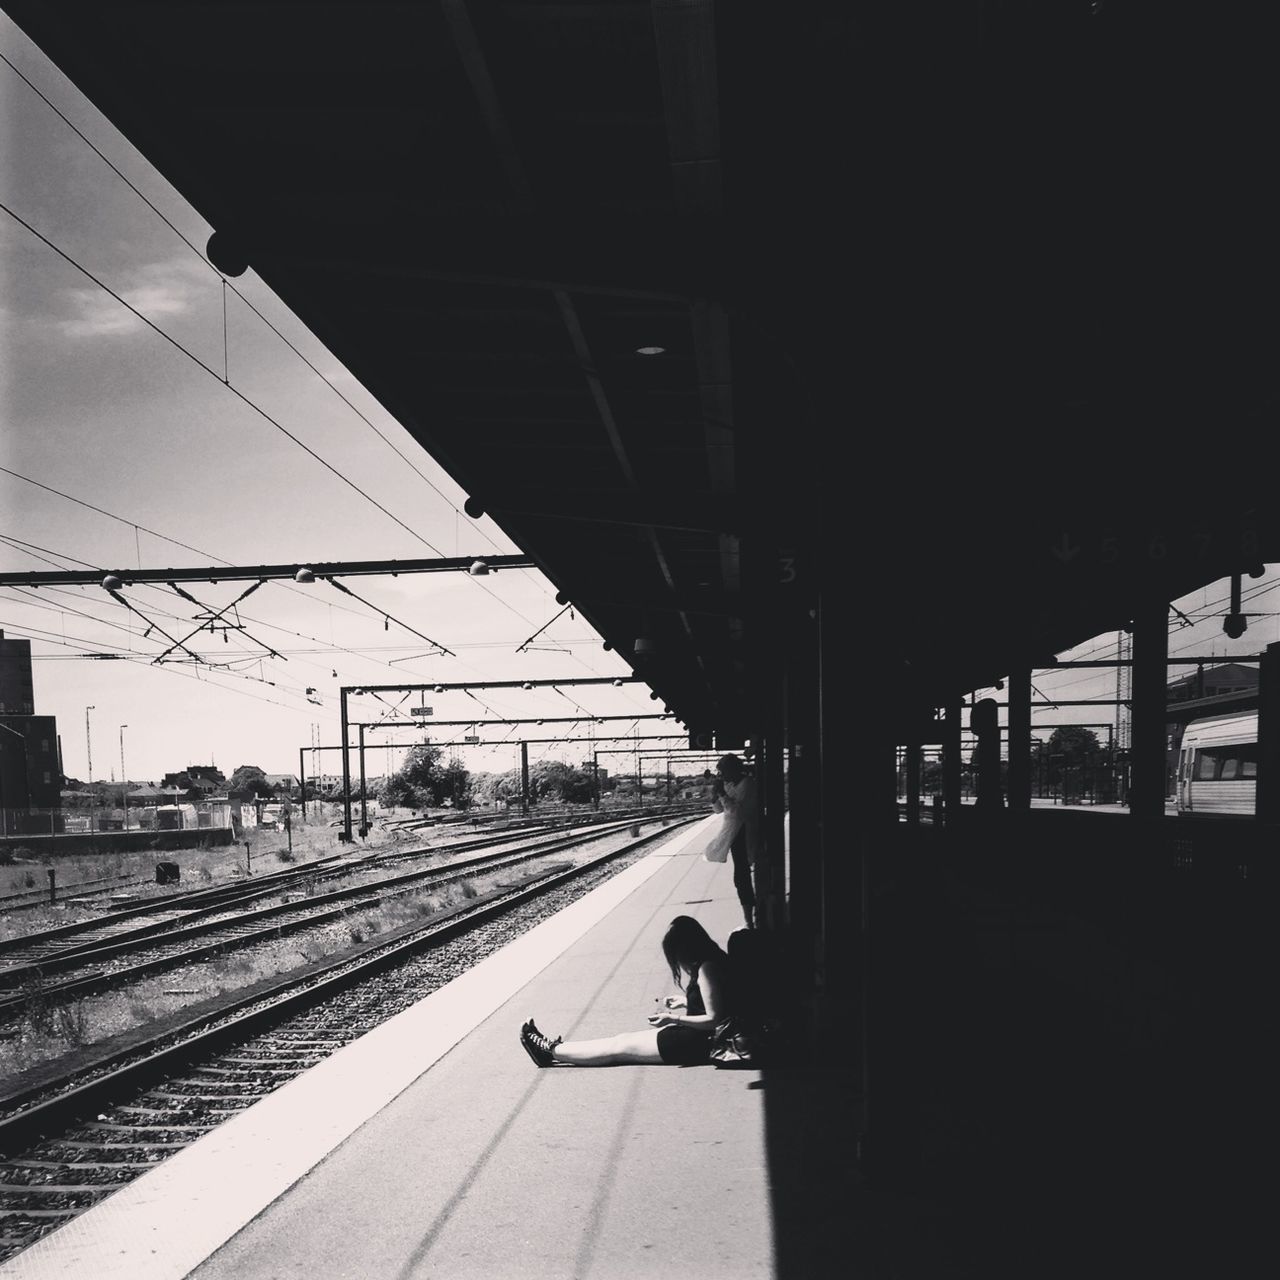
{"points": [[678, 1036]]}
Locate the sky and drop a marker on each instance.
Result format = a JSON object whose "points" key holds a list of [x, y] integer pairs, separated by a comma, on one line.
{"points": [[121, 451], [224, 432]]}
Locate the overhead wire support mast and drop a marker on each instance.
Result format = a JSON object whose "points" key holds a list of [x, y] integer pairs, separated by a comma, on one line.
{"points": [[346, 691]]}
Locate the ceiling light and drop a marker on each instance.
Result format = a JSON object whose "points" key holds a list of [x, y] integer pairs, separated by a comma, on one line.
{"points": [[304, 575], [478, 568], [112, 582], [650, 351], [527, 685]]}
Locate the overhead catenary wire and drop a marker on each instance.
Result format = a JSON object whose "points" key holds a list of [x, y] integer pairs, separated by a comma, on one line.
{"points": [[31, 549], [208, 623], [333, 582], [49, 637], [235, 391], [226, 284]]}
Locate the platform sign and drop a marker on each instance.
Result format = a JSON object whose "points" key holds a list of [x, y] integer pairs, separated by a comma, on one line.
{"points": [[420, 711], [471, 737]]}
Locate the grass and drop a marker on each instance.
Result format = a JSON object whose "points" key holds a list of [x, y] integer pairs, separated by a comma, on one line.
{"points": [[309, 842], [48, 1031]]}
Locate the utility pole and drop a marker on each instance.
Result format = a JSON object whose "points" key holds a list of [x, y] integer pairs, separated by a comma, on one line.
{"points": [[124, 786], [346, 770], [88, 747], [364, 804]]}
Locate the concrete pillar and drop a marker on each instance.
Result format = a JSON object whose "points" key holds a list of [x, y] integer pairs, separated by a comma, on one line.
{"points": [[915, 755], [1148, 757], [984, 722], [1019, 685], [952, 712], [1268, 803]]}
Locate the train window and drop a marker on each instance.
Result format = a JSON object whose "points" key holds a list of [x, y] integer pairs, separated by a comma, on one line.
{"points": [[1206, 766], [1227, 764]]}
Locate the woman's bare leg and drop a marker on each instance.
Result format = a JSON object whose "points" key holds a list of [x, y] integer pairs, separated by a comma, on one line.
{"points": [[632, 1047]]}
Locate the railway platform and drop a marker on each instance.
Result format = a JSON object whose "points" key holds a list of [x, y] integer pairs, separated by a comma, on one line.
{"points": [[434, 1147]]}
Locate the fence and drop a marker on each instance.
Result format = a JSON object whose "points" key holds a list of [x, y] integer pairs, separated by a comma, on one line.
{"points": [[57, 822]]}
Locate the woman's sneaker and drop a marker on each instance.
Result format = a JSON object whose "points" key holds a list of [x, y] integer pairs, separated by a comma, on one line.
{"points": [[537, 1046]]}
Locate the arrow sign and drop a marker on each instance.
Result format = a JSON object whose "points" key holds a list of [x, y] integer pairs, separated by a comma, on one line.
{"points": [[1064, 549]]}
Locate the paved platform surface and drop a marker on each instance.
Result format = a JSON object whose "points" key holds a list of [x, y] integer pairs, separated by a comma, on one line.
{"points": [[434, 1147]]}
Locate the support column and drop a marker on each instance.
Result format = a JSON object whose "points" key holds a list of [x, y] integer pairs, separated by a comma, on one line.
{"points": [[1148, 755], [951, 758], [801, 710], [984, 722], [1268, 802], [1019, 684], [364, 804], [913, 765], [346, 769], [302, 781]]}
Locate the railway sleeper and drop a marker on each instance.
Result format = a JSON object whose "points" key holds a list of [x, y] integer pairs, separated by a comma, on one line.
{"points": [[231, 1095], [290, 1063], [98, 1189], [22, 1163], [161, 1112], [136, 1134], [45, 1214]]}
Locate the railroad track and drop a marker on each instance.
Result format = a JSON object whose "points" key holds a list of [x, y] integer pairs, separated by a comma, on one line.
{"points": [[75, 891], [208, 931], [69, 1143], [168, 910]]}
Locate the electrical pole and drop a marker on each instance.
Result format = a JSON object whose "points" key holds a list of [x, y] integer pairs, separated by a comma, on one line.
{"points": [[124, 786], [364, 804], [88, 747]]}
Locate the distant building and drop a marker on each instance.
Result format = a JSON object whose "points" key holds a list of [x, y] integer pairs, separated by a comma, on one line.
{"points": [[17, 697], [30, 773], [324, 784], [1212, 682], [284, 783], [196, 781], [30, 757]]}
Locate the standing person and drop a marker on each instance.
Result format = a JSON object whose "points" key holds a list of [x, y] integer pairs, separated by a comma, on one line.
{"points": [[735, 796], [675, 1036]]}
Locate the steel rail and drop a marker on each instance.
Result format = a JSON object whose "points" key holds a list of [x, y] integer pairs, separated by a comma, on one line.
{"points": [[247, 1014]]}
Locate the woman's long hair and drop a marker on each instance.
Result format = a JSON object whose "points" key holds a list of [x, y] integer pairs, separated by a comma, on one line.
{"points": [[686, 945]]}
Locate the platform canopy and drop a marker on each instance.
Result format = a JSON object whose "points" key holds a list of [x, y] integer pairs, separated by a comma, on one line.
{"points": [[961, 312]]}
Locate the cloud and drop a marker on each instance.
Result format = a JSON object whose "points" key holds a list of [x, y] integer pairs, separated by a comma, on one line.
{"points": [[160, 291]]}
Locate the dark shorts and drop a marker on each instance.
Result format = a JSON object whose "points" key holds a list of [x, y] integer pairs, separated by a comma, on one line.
{"points": [[684, 1046]]}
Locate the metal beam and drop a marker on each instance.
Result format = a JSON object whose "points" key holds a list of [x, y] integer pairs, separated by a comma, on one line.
{"points": [[508, 742], [441, 686], [263, 572], [458, 724]]}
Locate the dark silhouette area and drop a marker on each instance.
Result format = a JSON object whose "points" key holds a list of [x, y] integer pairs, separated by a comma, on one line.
{"points": [[1052, 1093]]}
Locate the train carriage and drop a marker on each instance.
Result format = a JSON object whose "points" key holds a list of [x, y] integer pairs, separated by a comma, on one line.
{"points": [[1218, 766]]}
